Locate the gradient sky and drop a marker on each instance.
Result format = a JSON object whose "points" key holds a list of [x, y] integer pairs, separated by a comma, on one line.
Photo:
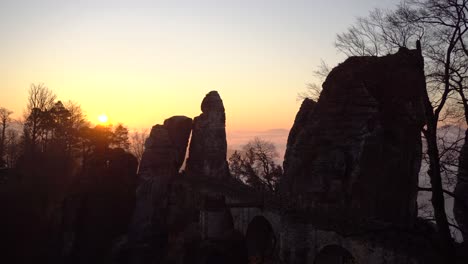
{"points": [[141, 62]]}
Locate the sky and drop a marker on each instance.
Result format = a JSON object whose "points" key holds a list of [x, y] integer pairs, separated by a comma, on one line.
{"points": [[140, 62]]}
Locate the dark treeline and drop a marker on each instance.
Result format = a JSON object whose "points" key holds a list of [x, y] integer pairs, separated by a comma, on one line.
{"points": [[46, 159], [51, 127]]}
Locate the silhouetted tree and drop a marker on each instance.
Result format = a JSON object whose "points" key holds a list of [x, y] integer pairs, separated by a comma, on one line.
{"points": [[40, 100], [255, 164], [137, 143], [12, 148], [4, 121], [77, 121], [120, 137], [58, 126], [100, 137], [381, 33], [313, 90]]}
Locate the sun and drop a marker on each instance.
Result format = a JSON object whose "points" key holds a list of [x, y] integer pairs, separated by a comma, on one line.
{"points": [[103, 118]]}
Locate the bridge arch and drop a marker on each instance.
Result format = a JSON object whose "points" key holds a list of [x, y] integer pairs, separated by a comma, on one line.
{"points": [[260, 239], [334, 254]]}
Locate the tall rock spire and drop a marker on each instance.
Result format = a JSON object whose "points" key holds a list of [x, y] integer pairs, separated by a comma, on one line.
{"points": [[208, 146]]}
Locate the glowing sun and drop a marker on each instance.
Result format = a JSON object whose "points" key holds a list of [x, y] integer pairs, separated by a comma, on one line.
{"points": [[103, 118]]}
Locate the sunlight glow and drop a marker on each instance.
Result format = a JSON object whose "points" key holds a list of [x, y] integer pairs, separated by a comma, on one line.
{"points": [[102, 118]]}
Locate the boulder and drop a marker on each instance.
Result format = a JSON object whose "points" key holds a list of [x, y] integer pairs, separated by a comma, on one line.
{"points": [[208, 146], [357, 151]]}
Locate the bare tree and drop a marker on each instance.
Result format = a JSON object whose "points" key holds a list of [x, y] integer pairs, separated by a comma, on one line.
{"points": [[4, 120], [77, 122], [448, 66], [137, 143], [381, 33], [256, 165], [40, 99], [12, 147], [313, 90], [77, 117]]}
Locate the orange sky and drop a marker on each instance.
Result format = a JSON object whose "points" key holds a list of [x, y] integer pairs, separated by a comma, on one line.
{"points": [[141, 62]]}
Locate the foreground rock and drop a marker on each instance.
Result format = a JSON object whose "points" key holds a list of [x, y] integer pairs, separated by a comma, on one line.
{"points": [[208, 146], [161, 161], [358, 150]]}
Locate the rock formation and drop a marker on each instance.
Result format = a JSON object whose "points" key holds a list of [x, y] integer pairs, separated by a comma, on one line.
{"points": [[165, 147], [179, 128], [208, 146], [163, 156], [358, 149], [307, 107]]}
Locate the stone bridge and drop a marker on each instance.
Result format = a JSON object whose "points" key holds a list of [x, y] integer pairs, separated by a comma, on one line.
{"points": [[299, 235], [348, 193]]}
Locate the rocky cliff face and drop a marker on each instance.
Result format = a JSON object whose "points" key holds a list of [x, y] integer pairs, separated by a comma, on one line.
{"points": [[165, 147], [179, 129], [359, 147], [161, 161], [300, 122], [208, 146]]}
